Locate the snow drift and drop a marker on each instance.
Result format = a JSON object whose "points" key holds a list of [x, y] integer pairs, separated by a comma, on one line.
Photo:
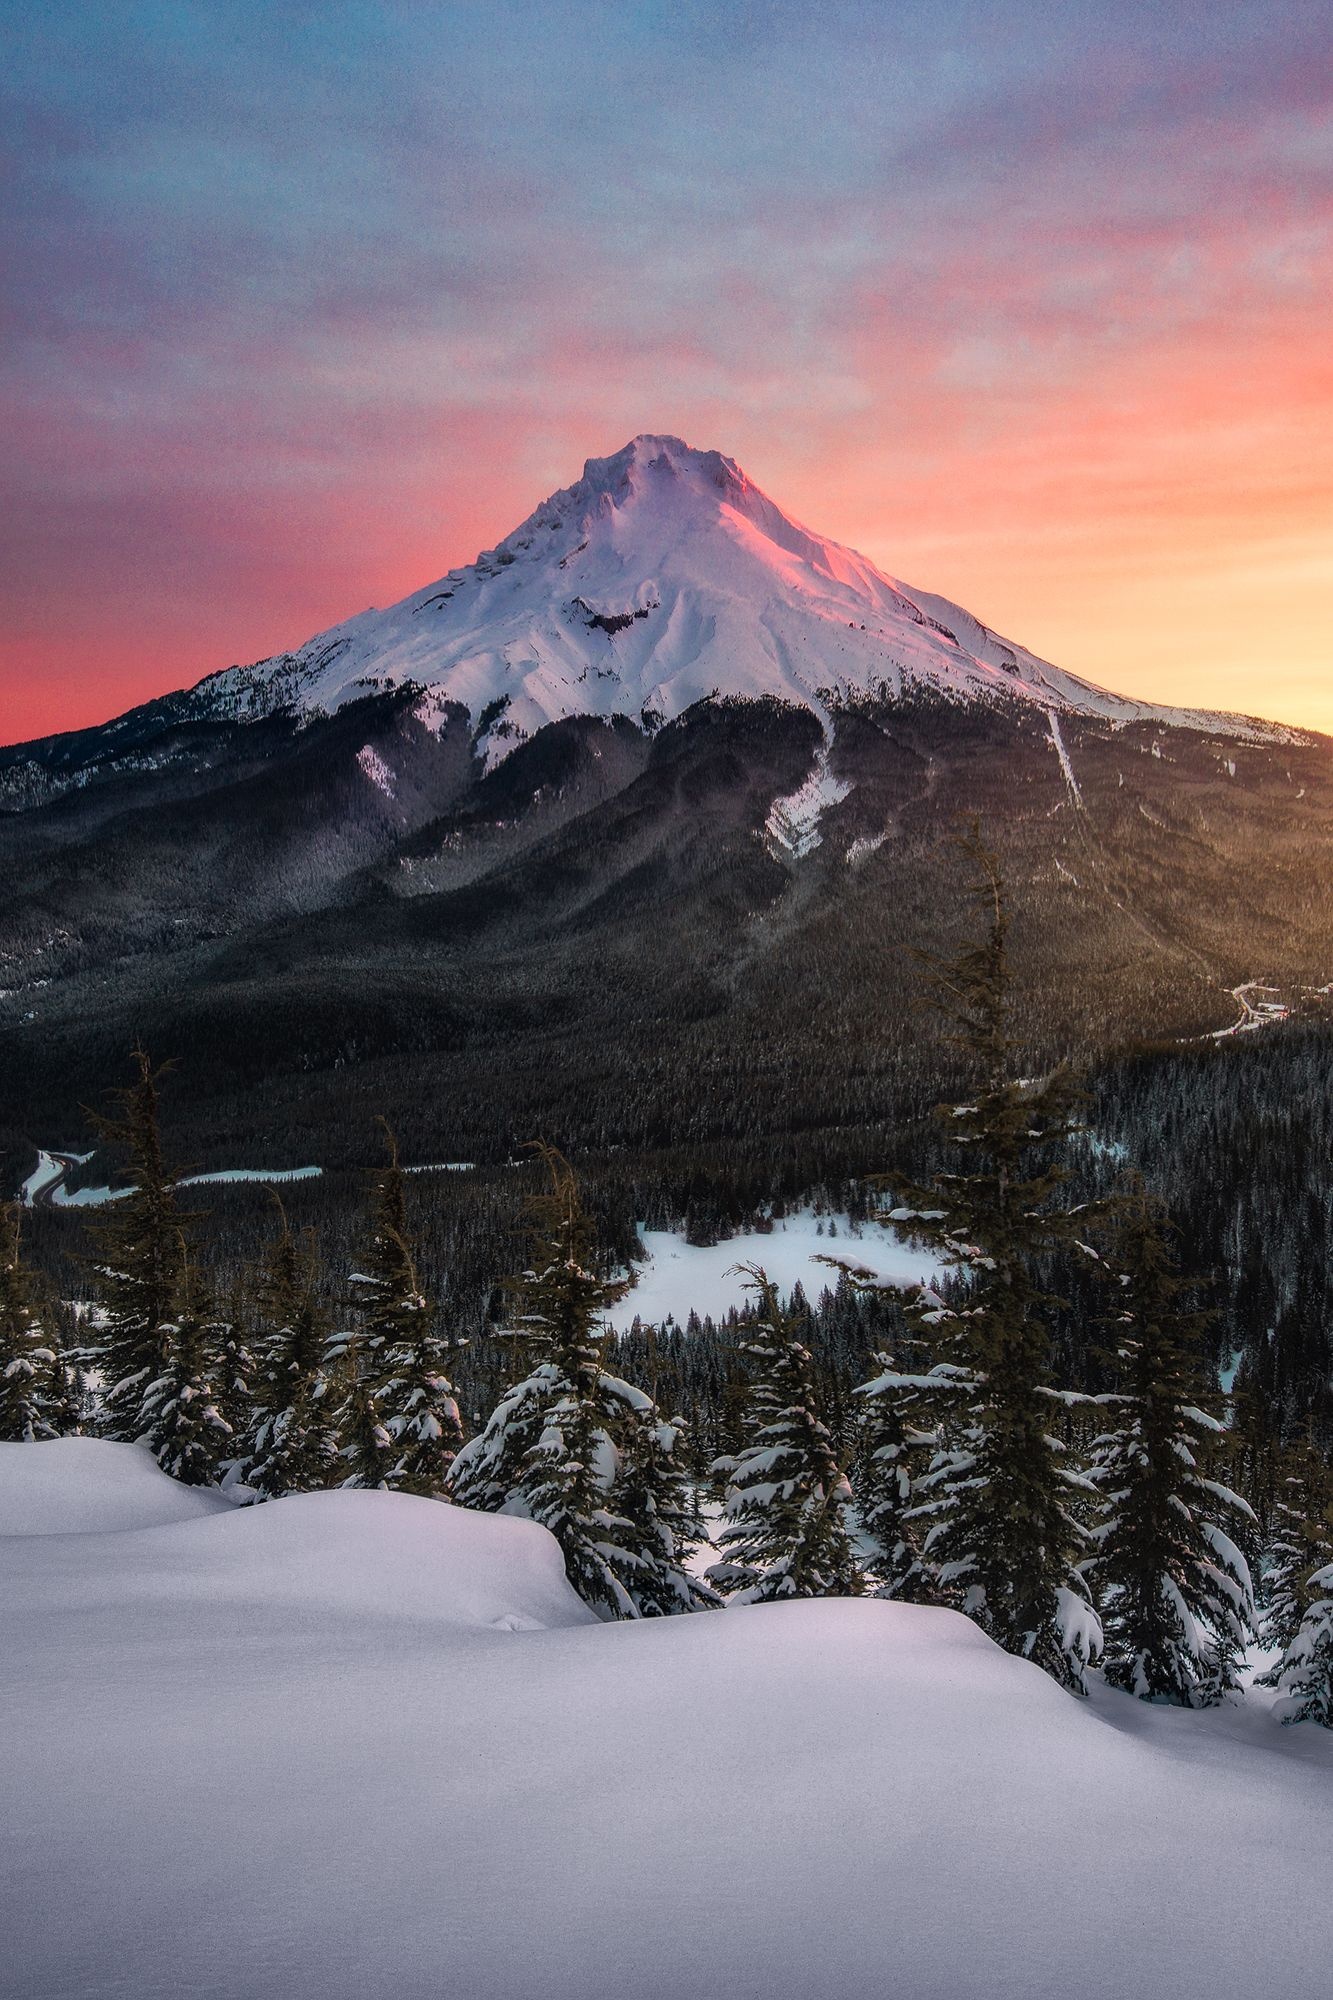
{"points": [[360, 1743]]}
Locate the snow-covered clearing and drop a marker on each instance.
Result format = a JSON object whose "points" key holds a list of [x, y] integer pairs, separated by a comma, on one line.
{"points": [[47, 1182], [791, 830], [679, 1277], [50, 1168], [359, 1744], [377, 771]]}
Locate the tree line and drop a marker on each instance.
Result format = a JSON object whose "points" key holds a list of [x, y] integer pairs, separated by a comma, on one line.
{"points": [[1073, 1524]]}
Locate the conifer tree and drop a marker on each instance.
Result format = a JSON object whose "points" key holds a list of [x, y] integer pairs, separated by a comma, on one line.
{"points": [[1301, 1540], [1174, 1585], [181, 1407], [890, 1445], [69, 1386], [554, 1450], [138, 1260], [656, 1501], [1299, 1592], [33, 1394], [295, 1445], [366, 1453], [1304, 1674], [1000, 1535], [785, 1533], [400, 1354], [237, 1380]]}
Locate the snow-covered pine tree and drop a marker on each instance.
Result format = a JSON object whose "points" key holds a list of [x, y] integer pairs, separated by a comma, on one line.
{"points": [[892, 1451], [400, 1352], [552, 1450], [366, 1453], [1300, 1542], [1174, 1586], [237, 1380], [1304, 1674], [72, 1400], [1001, 1538], [1298, 1591], [785, 1532], [655, 1499], [33, 1393], [181, 1407], [137, 1260], [295, 1444]]}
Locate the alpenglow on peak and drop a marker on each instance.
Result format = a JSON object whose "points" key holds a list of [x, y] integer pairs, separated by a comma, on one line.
{"points": [[661, 577]]}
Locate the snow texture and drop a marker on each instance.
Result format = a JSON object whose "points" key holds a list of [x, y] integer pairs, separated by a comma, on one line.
{"points": [[1058, 743], [377, 771], [661, 577], [48, 1170], [791, 830], [679, 1277], [359, 1743], [88, 1486]]}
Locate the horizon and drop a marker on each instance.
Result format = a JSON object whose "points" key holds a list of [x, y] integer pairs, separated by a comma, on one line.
{"points": [[304, 316]]}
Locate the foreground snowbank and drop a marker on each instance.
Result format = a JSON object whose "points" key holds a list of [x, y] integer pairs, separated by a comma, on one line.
{"points": [[86, 1486], [360, 1744]]}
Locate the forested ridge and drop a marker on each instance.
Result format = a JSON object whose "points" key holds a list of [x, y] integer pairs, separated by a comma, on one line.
{"points": [[1236, 1138]]}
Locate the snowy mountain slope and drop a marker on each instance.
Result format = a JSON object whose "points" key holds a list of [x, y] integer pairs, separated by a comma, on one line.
{"points": [[661, 577], [359, 1743]]}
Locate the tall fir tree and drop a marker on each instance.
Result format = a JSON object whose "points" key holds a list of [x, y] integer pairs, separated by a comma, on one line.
{"points": [[1174, 1584], [1298, 1592], [655, 1499], [34, 1395], [238, 1382], [181, 1407], [1304, 1674], [998, 1504], [785, 1531], [892, 1451], [71, 1401], [555, 1448], [401, 1354], [295, 1444], [366, 1453], [137, 1259]]}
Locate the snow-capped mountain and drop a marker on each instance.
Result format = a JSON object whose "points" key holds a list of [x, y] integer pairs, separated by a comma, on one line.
{"points": [[499, 836], [661, 577]]}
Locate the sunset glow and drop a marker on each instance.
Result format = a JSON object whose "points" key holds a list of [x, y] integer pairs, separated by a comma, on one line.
{"points": [[1031, 306]]}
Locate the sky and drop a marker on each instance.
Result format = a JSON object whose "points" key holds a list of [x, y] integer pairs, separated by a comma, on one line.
{"points": [[304, 305]]}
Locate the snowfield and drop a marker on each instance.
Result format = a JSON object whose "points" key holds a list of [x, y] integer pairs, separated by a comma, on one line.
{"points": [[357, 1744], [661, 577], [678, 1277]]}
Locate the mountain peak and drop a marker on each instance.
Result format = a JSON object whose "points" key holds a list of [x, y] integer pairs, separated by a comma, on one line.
{"points": [[651, 452], [661, 577], [647, 469]]}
